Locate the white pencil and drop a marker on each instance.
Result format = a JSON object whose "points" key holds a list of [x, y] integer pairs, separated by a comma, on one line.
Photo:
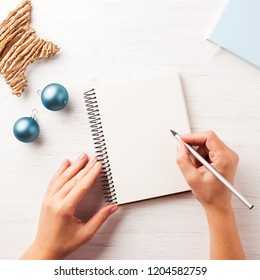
{"points": [[213, 171]]}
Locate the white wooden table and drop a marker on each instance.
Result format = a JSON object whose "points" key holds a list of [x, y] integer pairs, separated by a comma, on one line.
{"points": [[106, 41]]}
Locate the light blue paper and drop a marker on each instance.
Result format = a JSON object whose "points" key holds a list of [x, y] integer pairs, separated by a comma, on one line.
{"points": [[238, 30]]}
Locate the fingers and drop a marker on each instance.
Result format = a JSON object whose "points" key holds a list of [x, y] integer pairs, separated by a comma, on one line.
{"points": [[221, 157], [92, 226], [207, 138], [64, 175], [79, 190], [73, 182], [185, 163], [203, 151], [65, 164]]}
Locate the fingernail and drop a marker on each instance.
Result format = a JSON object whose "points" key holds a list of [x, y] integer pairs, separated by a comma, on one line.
{"points": [[64, 161], [113, 209], [97, 165], [82, 156], [179, 146]]}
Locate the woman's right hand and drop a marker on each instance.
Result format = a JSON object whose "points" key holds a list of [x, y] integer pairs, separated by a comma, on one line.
{"points": [[213, 195], [205, 186]]}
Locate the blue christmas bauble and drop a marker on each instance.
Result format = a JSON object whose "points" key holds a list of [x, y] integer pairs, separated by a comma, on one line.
{"points": [[54, 97], [26, 130]]}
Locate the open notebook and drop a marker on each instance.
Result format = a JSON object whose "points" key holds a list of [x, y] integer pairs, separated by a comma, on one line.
{"points": [[131, 124], [238, 29]]}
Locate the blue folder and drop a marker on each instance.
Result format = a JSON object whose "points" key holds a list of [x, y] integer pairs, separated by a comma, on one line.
{"points": [[238, 30]]}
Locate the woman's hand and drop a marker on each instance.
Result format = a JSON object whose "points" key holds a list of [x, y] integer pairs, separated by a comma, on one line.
{"points": [[212, 194], [205, 186], [59, 231]]}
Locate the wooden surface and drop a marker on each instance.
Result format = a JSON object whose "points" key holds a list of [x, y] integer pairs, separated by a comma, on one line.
{"points": [[105, 41]]}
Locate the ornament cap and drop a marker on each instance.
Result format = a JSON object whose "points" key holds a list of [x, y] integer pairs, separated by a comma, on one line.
{"points": [[34, 114]]}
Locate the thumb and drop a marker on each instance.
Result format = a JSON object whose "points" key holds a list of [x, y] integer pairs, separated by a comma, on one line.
{"points": [[185, 163], [92, 226]]}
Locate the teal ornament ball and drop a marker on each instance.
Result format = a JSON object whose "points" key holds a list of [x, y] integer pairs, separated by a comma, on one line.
{"points": [[26, 129], [55, 97]]}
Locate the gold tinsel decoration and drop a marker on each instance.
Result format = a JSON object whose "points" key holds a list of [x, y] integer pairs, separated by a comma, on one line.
{"points": [[19, 46]]}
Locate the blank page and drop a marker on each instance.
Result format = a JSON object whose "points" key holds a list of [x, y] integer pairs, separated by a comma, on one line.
{"points": [[136, 118]]}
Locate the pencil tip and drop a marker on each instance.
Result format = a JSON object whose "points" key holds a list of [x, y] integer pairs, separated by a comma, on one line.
{"points": [[173, 132]]}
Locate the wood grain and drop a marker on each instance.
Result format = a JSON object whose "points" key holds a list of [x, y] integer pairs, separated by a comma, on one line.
{"points": [[105, 41]]}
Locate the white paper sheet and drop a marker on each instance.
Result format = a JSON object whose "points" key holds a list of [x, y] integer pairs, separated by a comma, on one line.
{"points": [[137, 117]]}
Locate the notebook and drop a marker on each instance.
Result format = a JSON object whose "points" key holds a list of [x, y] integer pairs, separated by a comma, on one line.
{"points": [[238, 30], [130, 124]]}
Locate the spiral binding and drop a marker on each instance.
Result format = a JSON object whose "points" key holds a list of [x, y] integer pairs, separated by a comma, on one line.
{"points": [[100, 146]]}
